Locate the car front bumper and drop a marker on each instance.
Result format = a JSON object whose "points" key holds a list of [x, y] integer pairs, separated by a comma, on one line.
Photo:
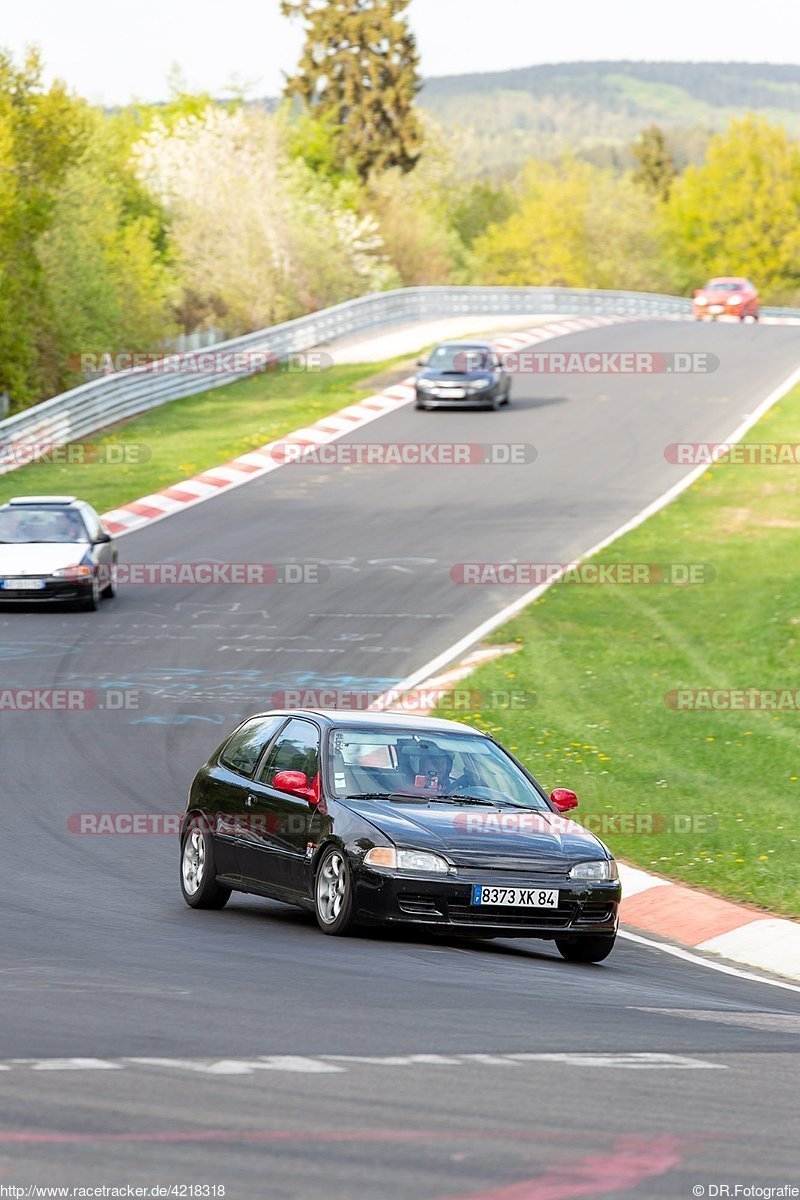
{"points": [[487, 398], [444, 902], [54, 590]]}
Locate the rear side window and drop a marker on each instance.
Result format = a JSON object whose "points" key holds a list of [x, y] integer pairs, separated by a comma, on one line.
{"points": [[244, 748]]}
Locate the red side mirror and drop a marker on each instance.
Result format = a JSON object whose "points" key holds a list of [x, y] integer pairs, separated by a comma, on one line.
{"points": [[564, 799], [296, 783]]}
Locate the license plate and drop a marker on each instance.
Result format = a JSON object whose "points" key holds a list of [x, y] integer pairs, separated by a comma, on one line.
{"points": [[451, 393], [717, 308], [514, 897], [22, 585]]}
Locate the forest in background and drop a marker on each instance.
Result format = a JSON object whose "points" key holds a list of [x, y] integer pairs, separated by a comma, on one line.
{"points": [[121, 229]]}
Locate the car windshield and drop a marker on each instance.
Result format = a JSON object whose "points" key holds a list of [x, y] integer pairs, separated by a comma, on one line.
{"points": [[460, 768], [723, 285], [460, 359], [20, 525]]}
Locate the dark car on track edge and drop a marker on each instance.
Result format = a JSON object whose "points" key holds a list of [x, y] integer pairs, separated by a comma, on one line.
{"points": [[389, 819]]}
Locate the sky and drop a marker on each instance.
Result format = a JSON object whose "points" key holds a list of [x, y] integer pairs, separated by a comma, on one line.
{"points": [[114, 50]]}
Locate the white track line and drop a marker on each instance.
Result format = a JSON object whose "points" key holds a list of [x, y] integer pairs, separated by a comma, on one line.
{"points": [[687, 956], [481, 631]]}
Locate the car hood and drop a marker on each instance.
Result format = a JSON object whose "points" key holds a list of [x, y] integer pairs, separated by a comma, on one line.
{"points": [[455, 377], [471, 833], [720, 297], [40, 558]]}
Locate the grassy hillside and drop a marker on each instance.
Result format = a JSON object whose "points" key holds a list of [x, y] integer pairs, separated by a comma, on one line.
{"points": [[599, 107]]}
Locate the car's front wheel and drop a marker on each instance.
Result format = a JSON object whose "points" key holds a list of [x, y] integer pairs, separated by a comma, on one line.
{"points": [[92, 602], [198, 873], [586, 949], [334, 900], [110, 589]]}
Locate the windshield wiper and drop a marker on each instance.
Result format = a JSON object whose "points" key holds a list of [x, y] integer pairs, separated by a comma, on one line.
{"points": [[457, 798], [383, 796]]}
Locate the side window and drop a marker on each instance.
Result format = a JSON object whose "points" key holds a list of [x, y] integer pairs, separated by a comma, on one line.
{"points": [[297, 749], [244, 748]]}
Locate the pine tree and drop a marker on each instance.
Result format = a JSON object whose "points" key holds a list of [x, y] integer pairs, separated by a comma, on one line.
{"points": [[359, 71], [656, 170]]}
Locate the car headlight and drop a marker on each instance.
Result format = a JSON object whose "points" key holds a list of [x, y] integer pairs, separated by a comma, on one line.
{"points": [[701, 300], [478, 385], [406, 860], [78, 571], [425, 385], [734, 299], [599, 870]]}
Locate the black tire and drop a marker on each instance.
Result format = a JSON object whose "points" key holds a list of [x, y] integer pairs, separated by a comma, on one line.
{"points": [[590, 949], [110, 589], [334, 896], [92, 602], [421, 407], [202, 892]]}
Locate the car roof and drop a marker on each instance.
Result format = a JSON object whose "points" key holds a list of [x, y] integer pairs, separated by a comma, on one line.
{"points": [[465, 345], [729, 279], [378, 720], [41, 501]]}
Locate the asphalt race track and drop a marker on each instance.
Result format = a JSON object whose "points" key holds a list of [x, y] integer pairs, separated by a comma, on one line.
{"points": [[244, 1048]]}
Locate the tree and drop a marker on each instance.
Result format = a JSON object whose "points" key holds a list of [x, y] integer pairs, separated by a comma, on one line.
{"points": [[41, 134], [248, 219], [656, 169], [108, 278], [482, 205], [576, 225], [739, 212], [359, 71]]}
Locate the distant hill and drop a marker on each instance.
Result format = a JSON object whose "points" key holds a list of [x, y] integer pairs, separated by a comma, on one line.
{"points": [[597, 108]]}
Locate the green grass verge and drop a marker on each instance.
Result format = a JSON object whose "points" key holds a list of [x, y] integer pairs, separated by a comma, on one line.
{"points": [[595, 664], [188, 436]]}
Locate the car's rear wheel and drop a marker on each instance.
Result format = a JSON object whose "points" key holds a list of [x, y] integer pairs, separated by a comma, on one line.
{"points": [[334, 901], [198, 874], [586, 949]]}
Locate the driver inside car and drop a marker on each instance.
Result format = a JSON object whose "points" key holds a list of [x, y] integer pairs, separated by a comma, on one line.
{"points": [[433, 772]]}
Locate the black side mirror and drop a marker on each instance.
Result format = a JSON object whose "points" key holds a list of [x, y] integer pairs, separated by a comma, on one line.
{"points": [[422, 362], [103, 538]]}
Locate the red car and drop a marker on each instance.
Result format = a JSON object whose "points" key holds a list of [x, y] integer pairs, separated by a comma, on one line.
{"points": [[727, 296]]}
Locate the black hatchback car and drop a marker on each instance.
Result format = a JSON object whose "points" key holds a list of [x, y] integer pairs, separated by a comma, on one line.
{"points": [[462, 375], [386, 819]]}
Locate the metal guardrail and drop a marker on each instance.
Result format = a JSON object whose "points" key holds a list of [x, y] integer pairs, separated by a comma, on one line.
{"points": [[106, 401]]}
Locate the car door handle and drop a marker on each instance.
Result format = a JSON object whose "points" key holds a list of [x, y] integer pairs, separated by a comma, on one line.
{"points": [[251, 801]]}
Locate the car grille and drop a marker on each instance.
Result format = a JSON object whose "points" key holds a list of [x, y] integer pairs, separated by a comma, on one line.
{"points": [[418, 906], [484, 914], [595, 914], [532, 867]]}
